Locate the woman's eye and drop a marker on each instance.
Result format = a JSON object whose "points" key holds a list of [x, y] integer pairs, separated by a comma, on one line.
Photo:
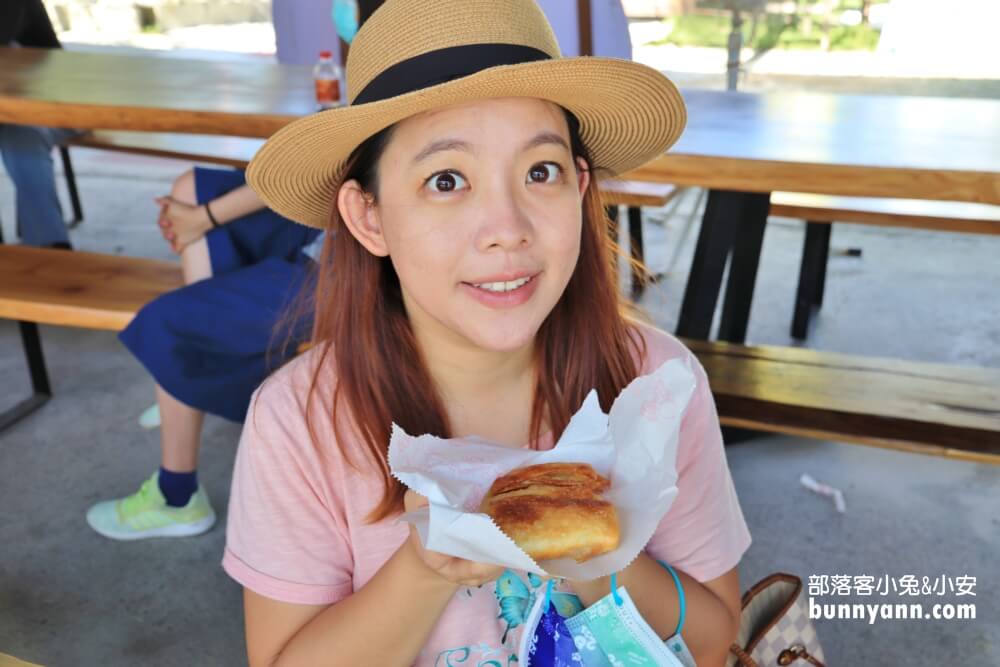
{"points": [[446, 181], [544, 172]]}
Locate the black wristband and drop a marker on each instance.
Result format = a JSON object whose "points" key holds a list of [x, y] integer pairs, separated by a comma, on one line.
{"points": [[211, 218]]}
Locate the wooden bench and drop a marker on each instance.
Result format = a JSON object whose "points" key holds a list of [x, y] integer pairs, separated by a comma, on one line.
{"points": [[821, 211], [76, 289], [919, 407], [208, 148]]}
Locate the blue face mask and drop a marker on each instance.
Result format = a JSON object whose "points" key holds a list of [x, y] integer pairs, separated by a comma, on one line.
{"points": [[609, 633], [345, 17]]}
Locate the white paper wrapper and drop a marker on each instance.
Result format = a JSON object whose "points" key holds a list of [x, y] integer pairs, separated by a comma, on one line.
{"points": [[635, 447]]}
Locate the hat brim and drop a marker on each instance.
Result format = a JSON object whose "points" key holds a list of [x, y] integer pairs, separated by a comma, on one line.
{"points": [[629, 113]]}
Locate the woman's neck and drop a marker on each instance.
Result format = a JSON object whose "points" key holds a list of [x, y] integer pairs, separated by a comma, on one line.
{"points": [[466, 371], [487, 394]]}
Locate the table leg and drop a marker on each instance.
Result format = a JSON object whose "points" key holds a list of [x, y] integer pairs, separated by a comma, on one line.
{"points": [[637, 251], [74, 194], [715, 240], [812, 276], [612, 213], [41, 390], [824, 260], [743, 267], [733, 222]]}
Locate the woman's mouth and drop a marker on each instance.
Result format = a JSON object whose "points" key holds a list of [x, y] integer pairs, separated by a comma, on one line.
{"points": [[505, 293], [507, 286]]}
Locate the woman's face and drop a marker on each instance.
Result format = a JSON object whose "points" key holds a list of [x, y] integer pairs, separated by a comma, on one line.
{"points": [[479, 210]]}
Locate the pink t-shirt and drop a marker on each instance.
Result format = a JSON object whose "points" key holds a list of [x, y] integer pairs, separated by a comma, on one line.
{"points": [[297, 530]]}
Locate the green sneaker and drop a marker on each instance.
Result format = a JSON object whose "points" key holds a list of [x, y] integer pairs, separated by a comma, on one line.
{"points": [[146, 514], [150, 417]]}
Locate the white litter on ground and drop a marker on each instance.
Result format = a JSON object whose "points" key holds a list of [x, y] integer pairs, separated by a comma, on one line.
{"points": [[824, 490]]}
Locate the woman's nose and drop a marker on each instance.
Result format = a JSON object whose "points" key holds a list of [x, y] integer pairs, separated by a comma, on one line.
{"points": [[505, 222]]}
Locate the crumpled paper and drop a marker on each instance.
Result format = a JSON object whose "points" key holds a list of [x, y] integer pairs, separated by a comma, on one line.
{"points": [[635, 446]]}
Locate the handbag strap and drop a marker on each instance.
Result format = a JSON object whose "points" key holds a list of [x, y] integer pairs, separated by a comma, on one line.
{"points": [[786, 657], [743, 658], [797, 652]]}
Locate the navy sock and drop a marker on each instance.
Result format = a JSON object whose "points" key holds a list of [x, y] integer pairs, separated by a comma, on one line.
{"points": [[178, 487]]}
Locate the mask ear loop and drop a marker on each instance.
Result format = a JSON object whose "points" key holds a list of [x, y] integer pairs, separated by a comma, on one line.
{"points": [[682, 602], [614, 590], [680, 597], [548, 594]]}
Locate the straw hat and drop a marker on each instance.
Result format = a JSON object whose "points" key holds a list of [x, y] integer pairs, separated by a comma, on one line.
{"points": [[416, 55]]}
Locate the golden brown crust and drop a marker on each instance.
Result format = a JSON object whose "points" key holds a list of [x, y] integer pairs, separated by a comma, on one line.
{"points": [[554, 510], [577, 476]]}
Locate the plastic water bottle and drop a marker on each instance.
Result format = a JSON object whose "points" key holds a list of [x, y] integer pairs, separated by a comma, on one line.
{"points": [[329, 79]]}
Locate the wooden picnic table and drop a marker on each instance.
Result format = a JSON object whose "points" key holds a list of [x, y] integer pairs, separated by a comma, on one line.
{"points": [[743, 146], [862, 145], [62, 88], [740, 146]]}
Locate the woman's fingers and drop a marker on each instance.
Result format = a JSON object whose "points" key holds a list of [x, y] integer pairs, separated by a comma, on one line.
{"points": [[413, 500]]}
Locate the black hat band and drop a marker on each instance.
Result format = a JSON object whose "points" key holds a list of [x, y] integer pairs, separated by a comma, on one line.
{"points": [[443, 65]]}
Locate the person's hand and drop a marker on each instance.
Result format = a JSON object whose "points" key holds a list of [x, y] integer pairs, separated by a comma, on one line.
{"points": [[456, 570], [181, 224]]}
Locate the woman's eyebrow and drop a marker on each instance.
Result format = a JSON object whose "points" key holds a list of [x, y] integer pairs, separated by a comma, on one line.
{"points": [[543, 138], [442, 145]]}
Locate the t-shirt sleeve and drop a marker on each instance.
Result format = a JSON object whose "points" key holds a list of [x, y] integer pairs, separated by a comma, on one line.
{"points": [[286, 538], [703, 533]]}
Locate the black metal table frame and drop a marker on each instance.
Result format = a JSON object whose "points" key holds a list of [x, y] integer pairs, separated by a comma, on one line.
{"points": [[41, 390], [732, 231]]}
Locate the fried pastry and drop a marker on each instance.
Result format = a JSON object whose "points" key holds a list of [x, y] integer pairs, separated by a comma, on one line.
{"points": [[554, 510]]}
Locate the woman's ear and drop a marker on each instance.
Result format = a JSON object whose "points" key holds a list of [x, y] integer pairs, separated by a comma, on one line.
{"points": [[582, 174], [358, 211]]}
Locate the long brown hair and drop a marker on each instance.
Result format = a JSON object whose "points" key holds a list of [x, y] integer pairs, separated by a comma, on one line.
{"points": [[586, 342]]}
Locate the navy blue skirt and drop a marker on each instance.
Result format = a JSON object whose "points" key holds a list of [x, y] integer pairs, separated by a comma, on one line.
{"points": [[212, 343]]}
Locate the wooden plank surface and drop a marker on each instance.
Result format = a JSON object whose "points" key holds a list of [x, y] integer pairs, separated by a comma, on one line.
{"points": [[79, 288], [231, 151], [636, 193], [942, 216], [932, 408], [11, 661], [889, 132], [746, 175], [875, 146], [138, 92]]}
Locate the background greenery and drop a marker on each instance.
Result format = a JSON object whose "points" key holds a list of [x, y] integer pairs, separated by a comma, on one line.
{"points": [[782, 31]]}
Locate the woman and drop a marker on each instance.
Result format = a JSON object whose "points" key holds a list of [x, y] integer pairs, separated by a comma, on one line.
{"points": [[474, 296]]}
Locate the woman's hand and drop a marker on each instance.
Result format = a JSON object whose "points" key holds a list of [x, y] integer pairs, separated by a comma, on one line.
{"points": [[455, 570], [181, 224]]}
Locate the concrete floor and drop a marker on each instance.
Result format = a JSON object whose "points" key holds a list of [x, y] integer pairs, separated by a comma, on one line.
{"points": [[70, 597]]}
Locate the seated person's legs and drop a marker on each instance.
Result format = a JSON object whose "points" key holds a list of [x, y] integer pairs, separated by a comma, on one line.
{"points": [[27, 157], [208, 346]]}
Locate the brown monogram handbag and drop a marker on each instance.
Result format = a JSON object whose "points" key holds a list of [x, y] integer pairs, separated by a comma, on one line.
{"points": [[775, 629]]}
